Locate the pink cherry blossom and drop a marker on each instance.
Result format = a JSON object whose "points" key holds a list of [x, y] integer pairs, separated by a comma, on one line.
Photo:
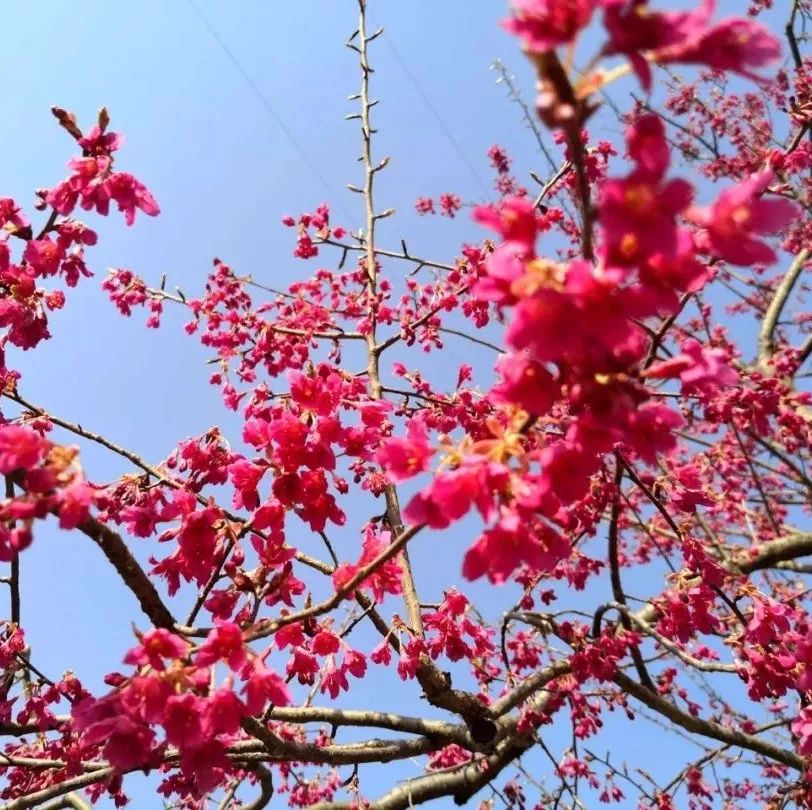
{"points": [[155, 647], [546, 24], [698, 368], [405, 458], [739, 216]]}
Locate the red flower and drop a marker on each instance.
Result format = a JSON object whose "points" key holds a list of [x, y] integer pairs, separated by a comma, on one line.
{"points": [[20, 448], [223, 713], [634, 29], [155, 646], [698, 368], [514, 220], [732, 45], [510, 544], [334, 681], [802, 729], [451, 494], [127, 743], [129, 194], [263, 685], [385, 579], [526, 383], [566, 470], [325, 643], [246, 477], [197, 542], [224, 643], [74, 504], [546, 24], [405, 458], [205, 766], [638, 213], [183, 720], [382, 654], [303, 665], [651, 430], [355, 663], [739, 215]]}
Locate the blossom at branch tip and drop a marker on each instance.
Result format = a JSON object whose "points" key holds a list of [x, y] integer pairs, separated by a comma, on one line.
{"points": [[802, 729], [514, 220], [224, 643], [476, 482], [734, 45], [387, 577], [634, 30]]}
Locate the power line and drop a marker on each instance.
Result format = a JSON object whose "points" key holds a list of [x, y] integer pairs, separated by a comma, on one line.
{"points": [[265, 102], [449, 135]]}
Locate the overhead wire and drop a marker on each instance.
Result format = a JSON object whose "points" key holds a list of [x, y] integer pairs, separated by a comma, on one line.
{"points": [[267, 105], [446, 130]]}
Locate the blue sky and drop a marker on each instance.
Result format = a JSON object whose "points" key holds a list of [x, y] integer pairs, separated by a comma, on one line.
{"points": [[224, 171]]}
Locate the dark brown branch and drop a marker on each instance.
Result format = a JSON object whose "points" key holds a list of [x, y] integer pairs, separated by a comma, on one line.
{"points": [[120, 557], [14, 576], [265, 780], [118, 554], [614, 574]]}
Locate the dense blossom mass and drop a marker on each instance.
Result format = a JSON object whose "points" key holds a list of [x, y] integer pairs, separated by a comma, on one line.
{"points": [[621, 466]]}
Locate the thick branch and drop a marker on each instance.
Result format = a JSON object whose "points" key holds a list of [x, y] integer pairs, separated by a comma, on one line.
{"points": [[461, 784], [766, 345], [387, 720], [776, 551], [116, 551], [708, 728]]}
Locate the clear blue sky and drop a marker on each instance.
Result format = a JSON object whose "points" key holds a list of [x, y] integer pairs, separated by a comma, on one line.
{"points": [[224, 173]]}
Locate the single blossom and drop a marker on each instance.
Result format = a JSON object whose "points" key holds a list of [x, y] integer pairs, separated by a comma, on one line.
{"points": [[263, 685], [546, 24], [526, 383], [155, 648], [404, 458], [476, 482], [740, 215], [222, 713], [511, 543], [20, 448], [735, 45], [700, 369], [387, 578], [246, 477], [802, 729], [515, 221], [634, 30], [183, 720], [224, 643]]}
